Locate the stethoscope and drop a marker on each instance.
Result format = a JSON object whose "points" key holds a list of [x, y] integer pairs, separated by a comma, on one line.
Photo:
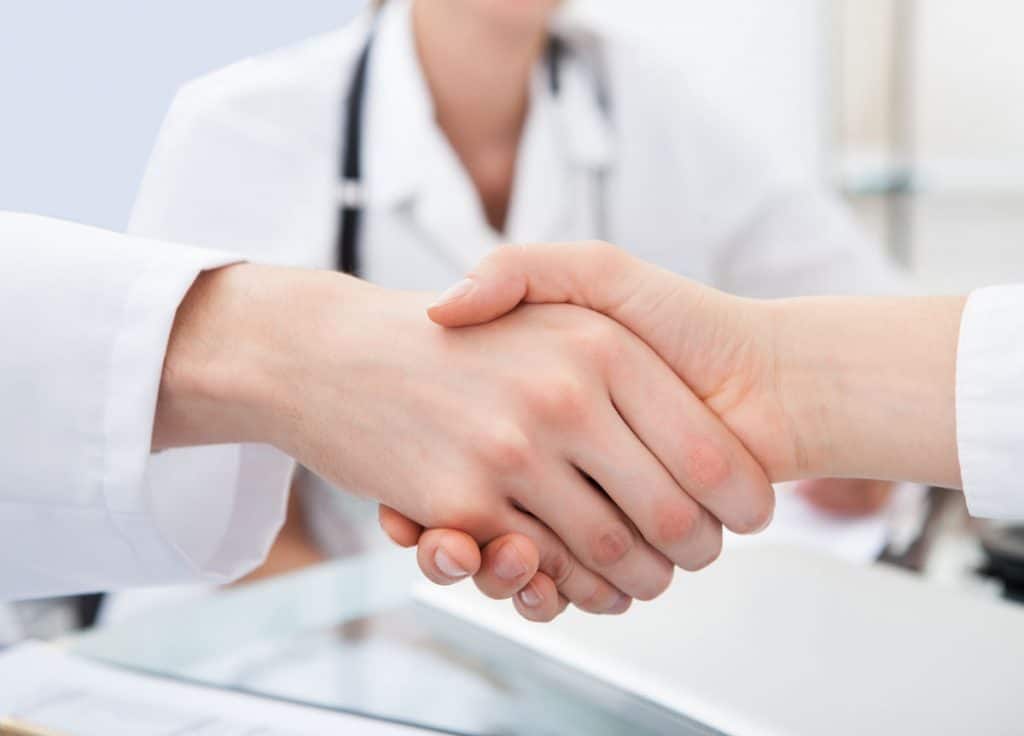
{"points": [[351, 198]]}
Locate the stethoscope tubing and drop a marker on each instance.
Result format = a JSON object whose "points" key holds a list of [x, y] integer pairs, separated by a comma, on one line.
{"points": [[351, 192]]}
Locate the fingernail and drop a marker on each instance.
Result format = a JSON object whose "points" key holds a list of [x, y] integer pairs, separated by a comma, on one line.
{"points": [[620, 605], [447, 564], [508, 565], [455, 292], [529, 596]]}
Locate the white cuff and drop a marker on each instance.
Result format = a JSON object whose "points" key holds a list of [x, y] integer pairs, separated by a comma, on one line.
{"points": [[210, 513], [219, 507], [990, 402]]}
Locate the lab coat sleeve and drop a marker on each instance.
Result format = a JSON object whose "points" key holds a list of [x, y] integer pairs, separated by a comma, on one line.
{"points": [[990, 402], [207, 183], [84, 320]]}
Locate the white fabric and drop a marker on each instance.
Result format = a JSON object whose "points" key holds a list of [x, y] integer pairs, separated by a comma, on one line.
{"points": [[84, 320], [248, 160], [990, 402]]}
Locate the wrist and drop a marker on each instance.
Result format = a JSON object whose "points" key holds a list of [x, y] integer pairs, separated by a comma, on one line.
{"points": [[226, 374], [868, 386], [807, 397]]}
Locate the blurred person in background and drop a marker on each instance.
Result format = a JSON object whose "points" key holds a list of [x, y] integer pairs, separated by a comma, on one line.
{"points": [[408, 144]]}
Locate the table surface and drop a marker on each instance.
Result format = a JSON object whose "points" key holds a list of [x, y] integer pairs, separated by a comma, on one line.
{"points": [[348, 635]]}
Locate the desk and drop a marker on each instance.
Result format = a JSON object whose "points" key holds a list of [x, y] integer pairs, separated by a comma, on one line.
{"points": [[769, 640], [347, 635]]}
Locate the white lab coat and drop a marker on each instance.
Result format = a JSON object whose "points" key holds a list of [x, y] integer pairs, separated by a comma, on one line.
{"points": [[84, 320], [248, 160], [990, 402]]}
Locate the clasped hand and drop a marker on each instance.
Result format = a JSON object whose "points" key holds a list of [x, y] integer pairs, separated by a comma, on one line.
{"points": [[593, 422], [554, 423], [590, 436]]}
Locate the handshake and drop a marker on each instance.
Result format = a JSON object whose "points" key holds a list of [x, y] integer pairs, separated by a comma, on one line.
{"points": [[593, 422]]}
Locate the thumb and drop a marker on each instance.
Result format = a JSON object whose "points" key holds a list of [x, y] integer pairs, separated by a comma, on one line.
{"points": [[677, 317], [588, 274]]}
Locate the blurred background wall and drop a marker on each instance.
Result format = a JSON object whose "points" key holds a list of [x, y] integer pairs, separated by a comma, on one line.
{"points": [[85, 86], [913, 110], [929, 135]]}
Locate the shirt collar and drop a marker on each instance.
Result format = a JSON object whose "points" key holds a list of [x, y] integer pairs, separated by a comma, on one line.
{"points": [[399, 128], [403, 141]]}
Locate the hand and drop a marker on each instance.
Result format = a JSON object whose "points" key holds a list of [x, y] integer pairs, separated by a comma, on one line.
{"points": [[787, 377], [721, 346], [539, 424], [855, 387], [447, 556], [850, 497], [718, 353]]}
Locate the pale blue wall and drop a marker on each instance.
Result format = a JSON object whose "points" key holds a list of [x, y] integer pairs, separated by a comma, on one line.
{"points": [[85, 84]]}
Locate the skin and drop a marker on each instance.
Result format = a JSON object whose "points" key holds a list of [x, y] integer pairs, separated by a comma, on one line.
{"points": [[789, 377], [534, 425], [477, 57], [795, 364]]}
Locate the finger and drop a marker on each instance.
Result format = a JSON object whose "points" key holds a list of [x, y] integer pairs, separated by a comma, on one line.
{"points": [[599, 536], [639, 295], [403, 531], [539, 599], [508, 564], [582, 587], [702, 456], [590, 274], [447, 556], [668, 518]]}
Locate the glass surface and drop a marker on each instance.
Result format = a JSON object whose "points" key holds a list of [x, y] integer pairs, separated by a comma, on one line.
{"points": [[348, 635]]}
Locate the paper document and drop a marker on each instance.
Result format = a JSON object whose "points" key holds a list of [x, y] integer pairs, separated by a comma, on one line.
{"points": [[60, 693]]}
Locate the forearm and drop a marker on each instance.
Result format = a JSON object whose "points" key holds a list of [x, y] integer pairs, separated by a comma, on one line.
{"points": [[869, 385], [212, 380], [235, 354]]}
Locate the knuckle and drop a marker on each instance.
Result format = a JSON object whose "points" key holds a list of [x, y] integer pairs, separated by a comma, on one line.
{"points": [[506, 450], [676, 523], [504, 256], [601, 248], [467, 507], [598, 600], [596, 339], [469, 517], [558, 565], [609, 256], [562, 400], [611, 544], [706, 466]]}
